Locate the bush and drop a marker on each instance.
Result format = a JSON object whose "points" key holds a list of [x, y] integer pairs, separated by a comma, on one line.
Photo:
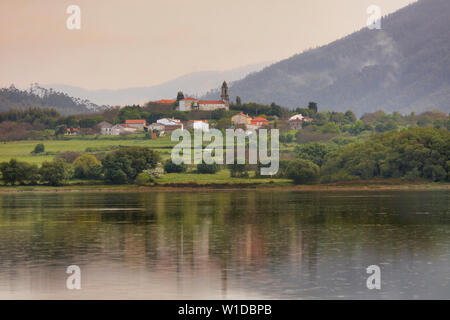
{"points": [[208, 168], [142, 179], [303, 171], [238, 170], [87, 166], [128, 162], [39, 148], [116, 176], [56, 172], [154, 173], [171, 167], [20, 172]]}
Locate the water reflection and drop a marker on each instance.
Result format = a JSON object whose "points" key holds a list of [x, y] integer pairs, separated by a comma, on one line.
{"points": [[246, 244]]}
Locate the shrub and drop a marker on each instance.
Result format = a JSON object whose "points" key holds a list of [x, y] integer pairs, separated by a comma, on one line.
{"points": [[154, 173], [303, 171], [130, 162], [238, 170], [171, 167], [87, 166], [39, 148], [142, 179], [56, 172], [208, 168], [116, 176]]}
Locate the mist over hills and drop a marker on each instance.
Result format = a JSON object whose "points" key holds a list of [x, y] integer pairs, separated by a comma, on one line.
{"points": [[197, 83], [405, 66]]}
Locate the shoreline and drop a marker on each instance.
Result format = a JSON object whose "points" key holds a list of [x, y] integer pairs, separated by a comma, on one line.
{"points": [[226, 187]]}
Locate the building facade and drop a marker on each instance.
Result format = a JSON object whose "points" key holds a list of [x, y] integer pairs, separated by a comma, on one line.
{"points": [[190, 104], [241, 119], [259, 122], [138, 124]]}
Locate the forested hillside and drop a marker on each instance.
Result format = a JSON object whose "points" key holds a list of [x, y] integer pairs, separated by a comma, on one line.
{"points": [[37, 97], [405, 66]]}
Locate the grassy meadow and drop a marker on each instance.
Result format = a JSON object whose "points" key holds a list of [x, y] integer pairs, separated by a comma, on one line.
{"points": [[21, 150]]}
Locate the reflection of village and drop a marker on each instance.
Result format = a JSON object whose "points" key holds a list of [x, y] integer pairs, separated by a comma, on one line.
{"points": [[213, 242], [211, 245]]}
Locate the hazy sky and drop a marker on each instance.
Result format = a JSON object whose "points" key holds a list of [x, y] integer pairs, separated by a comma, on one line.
{"points": [[126, 43]]}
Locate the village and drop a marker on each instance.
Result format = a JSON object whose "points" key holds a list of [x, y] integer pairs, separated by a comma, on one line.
{"points": [[164, 126]]}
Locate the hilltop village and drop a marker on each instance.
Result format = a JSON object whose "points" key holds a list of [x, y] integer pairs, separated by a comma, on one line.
{"points": [[166, 125]]}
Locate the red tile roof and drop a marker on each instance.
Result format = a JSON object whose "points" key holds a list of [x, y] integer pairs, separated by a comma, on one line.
{"points": [[188, 99], [164, 101], [243, 115], [211, 102], [260, 119], [125, 125], [136, 121]]}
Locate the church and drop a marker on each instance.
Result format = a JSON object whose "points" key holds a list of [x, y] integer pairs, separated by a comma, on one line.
{"points": [[191, 104]]}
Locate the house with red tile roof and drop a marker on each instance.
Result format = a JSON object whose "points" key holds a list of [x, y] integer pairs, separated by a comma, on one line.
{"points": [[259, 122], [241, 119], [138, 124]]}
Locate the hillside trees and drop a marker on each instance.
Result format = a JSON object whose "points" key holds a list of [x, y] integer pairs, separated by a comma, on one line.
{"points": [[303, 171], [415, 152]]}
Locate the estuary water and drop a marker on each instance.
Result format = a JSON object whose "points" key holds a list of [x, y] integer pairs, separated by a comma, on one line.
{"points": [[225, 244]]}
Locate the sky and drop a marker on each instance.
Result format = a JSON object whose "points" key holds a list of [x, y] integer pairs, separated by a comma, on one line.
{"points": [[132, 43]]}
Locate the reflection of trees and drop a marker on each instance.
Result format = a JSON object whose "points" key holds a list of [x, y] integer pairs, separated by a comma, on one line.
{"points": [[230, 233]]}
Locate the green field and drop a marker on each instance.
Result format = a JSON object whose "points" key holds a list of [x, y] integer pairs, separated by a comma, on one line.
{"points": [[21, 150]]}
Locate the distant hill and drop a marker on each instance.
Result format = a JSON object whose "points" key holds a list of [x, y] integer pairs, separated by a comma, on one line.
{"points": [[405, 66], [13, 98], [197, 83]]}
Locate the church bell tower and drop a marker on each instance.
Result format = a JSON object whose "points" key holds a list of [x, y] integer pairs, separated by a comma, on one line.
{"points": [[224, 96]]}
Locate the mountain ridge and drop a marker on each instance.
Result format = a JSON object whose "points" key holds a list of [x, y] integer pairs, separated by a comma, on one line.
{"points": [[195, 83], [402, 67]]}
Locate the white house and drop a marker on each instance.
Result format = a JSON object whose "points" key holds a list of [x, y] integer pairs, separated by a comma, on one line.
{"points": [[296, 117], [170, 122], [105, 128], [200, 125]]}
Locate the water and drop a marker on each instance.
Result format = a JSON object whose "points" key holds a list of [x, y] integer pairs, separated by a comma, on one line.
{"points": [[225, 244]]}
